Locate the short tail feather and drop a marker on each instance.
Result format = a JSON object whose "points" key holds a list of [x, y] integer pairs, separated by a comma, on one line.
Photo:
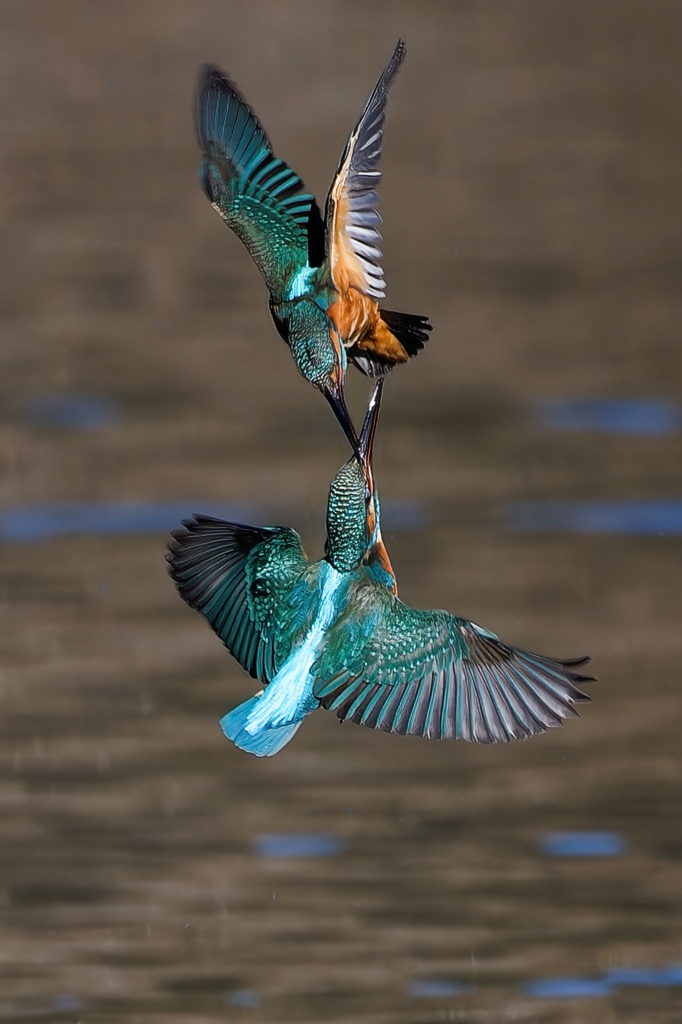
{"points": [[264, 743], [411, 330]]}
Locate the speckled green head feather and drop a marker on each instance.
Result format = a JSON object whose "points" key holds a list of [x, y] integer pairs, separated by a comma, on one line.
{"points": [[351, 509], [347, 518]]}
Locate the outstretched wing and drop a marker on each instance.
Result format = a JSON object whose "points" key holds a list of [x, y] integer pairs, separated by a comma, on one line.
{"points": [[237, 576], [427, 673], [351, 214], [255, 193]]}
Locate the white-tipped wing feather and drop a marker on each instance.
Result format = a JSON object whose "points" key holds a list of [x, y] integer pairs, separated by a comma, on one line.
{"points": [[352, 218], [429, 673]]}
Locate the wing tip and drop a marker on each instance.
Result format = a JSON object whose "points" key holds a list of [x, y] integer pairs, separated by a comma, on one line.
{"points": [[390, 71], [576, 677], [241, 536], [399, 54], [212, 77], [394, 65], [213, 83]]}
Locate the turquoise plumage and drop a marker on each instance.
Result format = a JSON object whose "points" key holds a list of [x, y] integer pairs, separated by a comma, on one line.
{"points": [[324, 278], [334, 633]]}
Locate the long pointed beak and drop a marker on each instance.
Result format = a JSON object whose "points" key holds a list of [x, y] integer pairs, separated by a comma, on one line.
{"points": [[338, 404], [369, 427]]}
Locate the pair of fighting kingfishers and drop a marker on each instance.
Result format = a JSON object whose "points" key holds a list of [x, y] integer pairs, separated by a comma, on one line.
{"points": [[334, 633]]}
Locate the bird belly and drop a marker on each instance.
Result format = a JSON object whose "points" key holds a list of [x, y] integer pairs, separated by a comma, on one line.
{"points": [[288, 697]]}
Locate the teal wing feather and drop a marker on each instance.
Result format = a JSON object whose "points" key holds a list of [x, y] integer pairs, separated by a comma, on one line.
{"points": [[237, 577], [428, 673], [255, 193]]}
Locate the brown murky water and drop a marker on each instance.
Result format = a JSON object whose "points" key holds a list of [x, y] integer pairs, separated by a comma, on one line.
{"points": [[532, 205]]}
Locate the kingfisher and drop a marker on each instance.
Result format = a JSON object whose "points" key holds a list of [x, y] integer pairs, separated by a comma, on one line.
{"points": [[334, 633], [324, 277]]}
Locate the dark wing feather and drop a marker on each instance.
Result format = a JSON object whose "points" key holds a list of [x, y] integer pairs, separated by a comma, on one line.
{"points": [[351, 214], [236, 576], [432, 674], [255, 193]]}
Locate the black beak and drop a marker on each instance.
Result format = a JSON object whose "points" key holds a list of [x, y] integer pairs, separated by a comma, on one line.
{"points": [[338, 404], [369, 427]]}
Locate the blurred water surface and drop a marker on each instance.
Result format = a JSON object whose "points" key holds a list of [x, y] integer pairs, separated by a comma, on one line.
{"points": [[650, 417], [532, 199]]}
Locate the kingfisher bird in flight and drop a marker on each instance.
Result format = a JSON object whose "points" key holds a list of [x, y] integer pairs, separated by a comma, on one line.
{"points": [[334, 633], [324, 277]]}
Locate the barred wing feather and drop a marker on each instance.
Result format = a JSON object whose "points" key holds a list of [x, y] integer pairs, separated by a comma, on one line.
{"points": [[255, 193], [432, 674], [351, 216], [236, 576]]}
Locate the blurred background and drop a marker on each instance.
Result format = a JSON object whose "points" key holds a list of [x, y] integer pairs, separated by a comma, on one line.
{"points": [[529, 465]]}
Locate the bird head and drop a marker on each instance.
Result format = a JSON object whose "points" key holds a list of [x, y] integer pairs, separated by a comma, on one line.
{"points": [[319, 353], [328, 375], [353, 514]]}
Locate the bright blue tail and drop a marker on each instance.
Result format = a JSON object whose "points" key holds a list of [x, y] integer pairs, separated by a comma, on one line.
{"points": [[264, 743]]}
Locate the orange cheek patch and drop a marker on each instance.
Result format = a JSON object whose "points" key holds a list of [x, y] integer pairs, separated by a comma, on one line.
{"points": [[385, 562]]}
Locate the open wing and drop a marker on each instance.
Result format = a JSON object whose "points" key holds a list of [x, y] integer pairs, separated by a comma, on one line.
{"points": [[431, 674], [237, 577], [351, 214], [255, 193]]}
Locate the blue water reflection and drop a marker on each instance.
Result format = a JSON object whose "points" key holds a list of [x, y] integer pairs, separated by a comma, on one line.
{"points": [[297, 845], [626, 416], [583, 844], [242, 997], [647, 976], [655, 518], [568, 988], [65, 1002], [586, 988], [70, 411], [38, 522], [427, 988]]}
